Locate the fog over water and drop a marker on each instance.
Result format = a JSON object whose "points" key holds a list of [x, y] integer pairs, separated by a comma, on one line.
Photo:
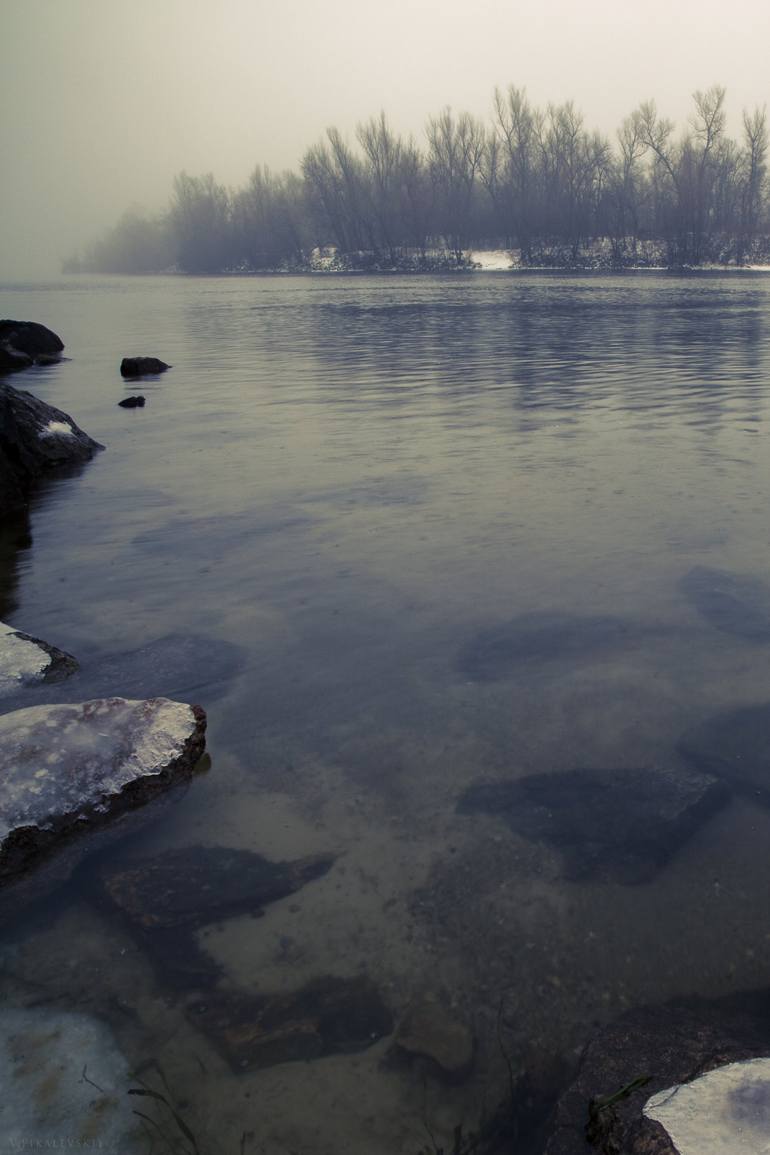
{"points": [[101, 104]]}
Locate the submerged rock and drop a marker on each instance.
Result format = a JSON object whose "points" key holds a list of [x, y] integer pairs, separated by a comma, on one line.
{"points": [[735, 746], [328, 1016], [429, 1031], [35, 439], [194, 885], [139, 366], [730, 602], [615, 1100], [70, 768], [613, 825], [167, 897], [25, 661], [65, 1083], [497, 652]]}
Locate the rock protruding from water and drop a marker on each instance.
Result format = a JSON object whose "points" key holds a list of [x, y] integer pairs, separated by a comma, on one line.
{"points": [[24, 343], [328, 1016], [499, 651], [64, 1084], [612, 825], [730, 602], [142, 366], [651, 1050], [27, 661], [428, 1031], [735, 746], [69, 769], [135, 402], [35, 440]]}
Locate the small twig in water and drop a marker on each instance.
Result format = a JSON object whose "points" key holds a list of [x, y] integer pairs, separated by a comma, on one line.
{"points": [[85, 1079]]}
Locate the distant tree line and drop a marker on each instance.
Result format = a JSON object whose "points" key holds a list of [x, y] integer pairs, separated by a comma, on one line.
{"points": [[531, 179]]}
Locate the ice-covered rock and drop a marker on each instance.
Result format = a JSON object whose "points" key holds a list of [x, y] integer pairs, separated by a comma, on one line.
{"points": [[65, 1083], [725, 1112], [25, 660], [68, 769]]}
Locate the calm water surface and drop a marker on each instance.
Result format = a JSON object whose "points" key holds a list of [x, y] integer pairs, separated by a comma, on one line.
{"points": [[347, 504]]}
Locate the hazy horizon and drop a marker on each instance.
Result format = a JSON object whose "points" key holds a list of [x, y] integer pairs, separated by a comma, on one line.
{"points": [[103, 104]]}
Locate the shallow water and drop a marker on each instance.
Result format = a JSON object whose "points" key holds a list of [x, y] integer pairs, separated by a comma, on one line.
{"points": [[401, 537]]}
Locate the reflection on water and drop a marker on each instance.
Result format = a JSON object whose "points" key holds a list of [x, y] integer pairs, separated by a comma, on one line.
{"points": [[410, 541]]}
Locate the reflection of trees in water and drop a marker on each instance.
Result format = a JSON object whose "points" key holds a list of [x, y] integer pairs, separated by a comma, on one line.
{"points": [[680, 347]]}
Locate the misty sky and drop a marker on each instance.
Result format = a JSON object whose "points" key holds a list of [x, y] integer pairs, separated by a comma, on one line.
{"points": [[103, 101]]}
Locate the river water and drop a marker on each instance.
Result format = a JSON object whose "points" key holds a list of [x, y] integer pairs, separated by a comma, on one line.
{"points": [[410, 536]]}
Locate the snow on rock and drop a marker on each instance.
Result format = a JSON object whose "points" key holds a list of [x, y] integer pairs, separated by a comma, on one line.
{"points": [[65, 1083], [491, 260], [725, 1112], [54, 427], [67, 769], [25, 660]]}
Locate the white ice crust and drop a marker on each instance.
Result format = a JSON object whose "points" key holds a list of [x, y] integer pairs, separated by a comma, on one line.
{"points": [[725, 1112], [56, 427], [47, 1102], [20, 660]]}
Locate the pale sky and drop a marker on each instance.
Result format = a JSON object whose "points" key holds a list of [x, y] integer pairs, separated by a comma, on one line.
{"points": [[103, 101]]}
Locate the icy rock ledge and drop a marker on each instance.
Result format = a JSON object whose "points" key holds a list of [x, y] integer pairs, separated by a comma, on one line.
{"points": [[25, 660], [68, 769], [725, 1112]]}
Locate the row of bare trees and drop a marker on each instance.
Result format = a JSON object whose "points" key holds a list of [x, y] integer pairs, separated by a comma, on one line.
{"points": [[532, 179]]}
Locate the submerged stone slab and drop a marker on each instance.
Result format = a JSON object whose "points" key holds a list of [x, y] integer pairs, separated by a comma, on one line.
{"points": [[730, 602], [614, 825], [428, 1030], [66, 769], [328, 1016], [497, 652], [65, 1084], [194, 885], [726, 1112], [25, 660], [734, 746], [167, 897]]}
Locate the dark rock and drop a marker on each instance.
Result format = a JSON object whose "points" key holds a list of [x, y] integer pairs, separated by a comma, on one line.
{"points": [[31, 338], [734, 746], [35, 440], [12, 360], [25, 660], [734, 604], [136, 402], [139, 366], [166, 898], [326, 1017], [497, 652], [667, 1045], [195, 885], [428, 1031], [71, 768], [615, 825]]}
